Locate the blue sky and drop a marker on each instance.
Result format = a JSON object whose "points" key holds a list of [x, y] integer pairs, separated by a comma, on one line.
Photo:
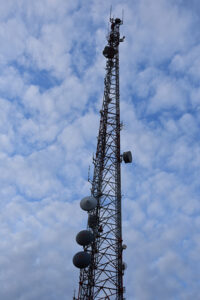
{"points": [[51, 87]]}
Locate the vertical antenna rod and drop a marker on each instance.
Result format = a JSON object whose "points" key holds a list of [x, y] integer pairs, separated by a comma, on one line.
{"points": [[100, 262]]}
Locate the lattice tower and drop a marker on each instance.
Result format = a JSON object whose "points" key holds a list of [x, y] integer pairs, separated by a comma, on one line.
{"points": [[103, 277]]}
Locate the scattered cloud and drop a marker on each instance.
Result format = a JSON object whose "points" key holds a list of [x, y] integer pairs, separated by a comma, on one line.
{"points": [[51, 89]]}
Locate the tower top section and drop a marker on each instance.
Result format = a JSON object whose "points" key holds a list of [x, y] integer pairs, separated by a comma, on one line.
{"points": [[113, 38]]}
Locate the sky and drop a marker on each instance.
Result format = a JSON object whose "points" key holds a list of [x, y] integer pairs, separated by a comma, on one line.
{"points": [[51, 89]]}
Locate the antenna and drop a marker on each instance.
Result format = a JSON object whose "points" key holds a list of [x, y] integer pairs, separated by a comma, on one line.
{"points": [[107, 36], [110, 13], [89, 174], [122, 16]]}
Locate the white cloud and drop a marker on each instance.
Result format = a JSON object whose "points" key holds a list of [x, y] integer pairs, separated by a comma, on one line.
{"points": [[13, 35], [48, 51], [51, 88], [41, 236]]}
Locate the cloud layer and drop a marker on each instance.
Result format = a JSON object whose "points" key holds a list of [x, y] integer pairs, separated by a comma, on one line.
{"points": [[51, 88]]}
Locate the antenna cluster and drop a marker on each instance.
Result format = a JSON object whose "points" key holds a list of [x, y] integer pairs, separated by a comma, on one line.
{"points": [[85, 238]]}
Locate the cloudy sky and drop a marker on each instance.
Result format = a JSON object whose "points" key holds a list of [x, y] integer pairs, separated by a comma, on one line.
{"points": [[51, 88]]}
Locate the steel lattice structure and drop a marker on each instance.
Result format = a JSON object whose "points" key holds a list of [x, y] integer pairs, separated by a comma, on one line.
{"points": [[103, 278]]}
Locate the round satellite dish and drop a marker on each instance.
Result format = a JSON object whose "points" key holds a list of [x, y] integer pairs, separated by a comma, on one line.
{"points": [[85, 237], [127, 157], [124, 247], [88, 203], [82, 259], [124, 266], [92, 221], [117, 21], [109, 52]]}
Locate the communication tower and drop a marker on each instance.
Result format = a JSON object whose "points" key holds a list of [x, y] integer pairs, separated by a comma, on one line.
{"points": [[101, 264]]}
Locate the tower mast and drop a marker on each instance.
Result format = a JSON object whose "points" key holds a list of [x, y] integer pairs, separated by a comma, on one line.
{"points": [[102, 268]]}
